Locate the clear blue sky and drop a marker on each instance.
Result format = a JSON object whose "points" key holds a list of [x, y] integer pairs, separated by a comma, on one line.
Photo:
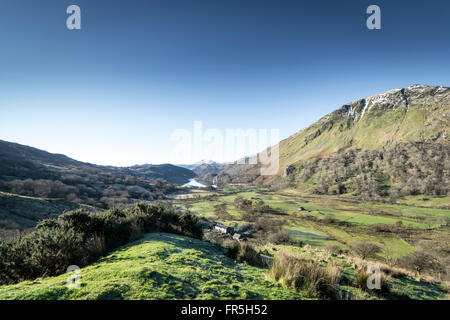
{"points": [[113, 92]]}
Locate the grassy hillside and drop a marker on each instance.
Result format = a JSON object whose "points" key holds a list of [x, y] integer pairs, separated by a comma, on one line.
{"points": [[159, 266], [415, 114], [168, 266]]}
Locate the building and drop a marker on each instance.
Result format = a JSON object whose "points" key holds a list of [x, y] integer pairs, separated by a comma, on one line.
{"points": [[239, 237], [222, 228]]}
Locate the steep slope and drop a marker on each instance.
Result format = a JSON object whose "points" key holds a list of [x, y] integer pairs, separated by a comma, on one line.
{"points": [[417, 113], [160, 266]]}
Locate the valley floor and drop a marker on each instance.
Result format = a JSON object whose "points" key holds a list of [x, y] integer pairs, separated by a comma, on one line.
{"points": [[340, 220]]}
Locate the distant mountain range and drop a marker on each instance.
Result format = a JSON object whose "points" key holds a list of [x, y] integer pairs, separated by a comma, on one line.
{"points": [[197, 164]]}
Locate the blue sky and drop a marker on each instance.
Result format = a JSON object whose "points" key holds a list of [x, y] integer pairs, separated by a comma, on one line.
{"points": [[113, 92]]}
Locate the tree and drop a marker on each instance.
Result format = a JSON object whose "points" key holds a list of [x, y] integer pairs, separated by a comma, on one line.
{"points": [[422, 261], [366, 249]]}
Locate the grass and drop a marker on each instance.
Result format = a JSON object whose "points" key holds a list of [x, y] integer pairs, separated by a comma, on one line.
{"points": [[314, 228], [361, 216], [425, 201], [159, 266]]}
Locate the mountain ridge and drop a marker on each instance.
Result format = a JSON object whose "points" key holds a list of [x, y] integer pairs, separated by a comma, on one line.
{"points": [[413, 114], [37, 163]]}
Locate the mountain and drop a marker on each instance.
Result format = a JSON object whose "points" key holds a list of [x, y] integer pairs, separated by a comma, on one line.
{"points": [[18, 161], [418, 113], [32, 172], [197, 164], [210, 168], [168, 172]]}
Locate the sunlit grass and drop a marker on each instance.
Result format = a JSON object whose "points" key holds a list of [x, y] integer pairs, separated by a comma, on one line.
{"points": [[160, 266]]}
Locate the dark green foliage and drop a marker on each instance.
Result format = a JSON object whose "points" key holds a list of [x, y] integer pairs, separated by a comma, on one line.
{"points": [[80, 237], [403, 169]]}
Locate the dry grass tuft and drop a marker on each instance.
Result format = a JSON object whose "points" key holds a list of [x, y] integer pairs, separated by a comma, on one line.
{"points": [[300, 274]]}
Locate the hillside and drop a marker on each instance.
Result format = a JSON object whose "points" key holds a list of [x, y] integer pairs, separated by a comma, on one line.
{"points": [[418, 113], [159, 266], [164, 266], [32, 172], [19, 161], [167, 172], [21, 212]]}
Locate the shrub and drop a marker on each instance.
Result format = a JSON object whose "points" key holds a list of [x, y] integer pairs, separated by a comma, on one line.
{"points": [[366, 249], [306, 275], [333, 248], [282, 236], [244, 227], [96, 246], [421, 261], [217, 238], [52, 250], [245, 253], [80, 237]]}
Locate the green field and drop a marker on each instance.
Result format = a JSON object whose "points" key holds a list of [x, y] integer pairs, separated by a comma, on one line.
{"points": [[361, 217]]}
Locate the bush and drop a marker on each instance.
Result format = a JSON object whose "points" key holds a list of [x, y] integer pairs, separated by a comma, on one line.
{"points": [[280, 237], [218, 238], [421, 262], [366, 250], [333, 248], [245, 253], [306, 275], [80, 237]]}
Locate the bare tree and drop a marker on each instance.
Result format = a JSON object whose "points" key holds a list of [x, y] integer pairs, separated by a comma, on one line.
{"points": [[366, 249]]}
